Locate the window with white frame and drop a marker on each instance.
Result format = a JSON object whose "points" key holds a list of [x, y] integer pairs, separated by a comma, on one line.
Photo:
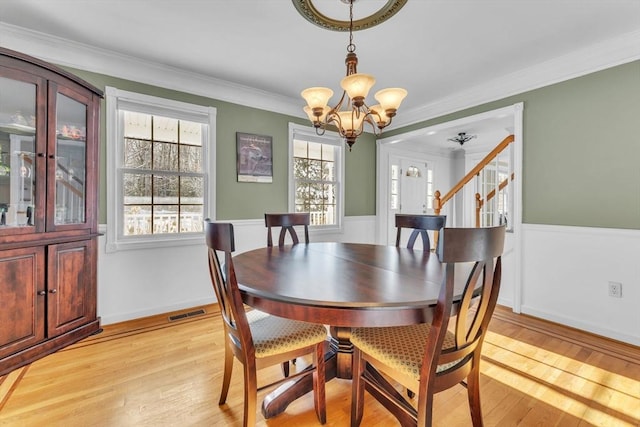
{"points": [[316, 175], [159, 160]]}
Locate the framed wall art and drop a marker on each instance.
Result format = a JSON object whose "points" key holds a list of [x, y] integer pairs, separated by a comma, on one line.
{"points": [[254, 158]]}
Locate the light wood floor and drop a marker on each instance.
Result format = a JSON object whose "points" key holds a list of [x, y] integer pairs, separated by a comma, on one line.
{"points": [[152, 372]]}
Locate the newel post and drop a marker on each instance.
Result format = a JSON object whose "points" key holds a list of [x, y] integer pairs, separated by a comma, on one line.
{"points": [[479, 204], [437, 203]]}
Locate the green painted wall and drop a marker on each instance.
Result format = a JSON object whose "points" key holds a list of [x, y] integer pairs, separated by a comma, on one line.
{"points": [[581, 152], [581, 149], [250, 200]]}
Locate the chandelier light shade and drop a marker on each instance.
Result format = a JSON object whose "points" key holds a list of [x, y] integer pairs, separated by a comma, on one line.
{"points": [[358, 86], [391, 98], [317, 97], [351, 113]]}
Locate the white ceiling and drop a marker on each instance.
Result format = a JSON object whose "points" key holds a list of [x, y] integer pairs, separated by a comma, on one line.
{"points": [[437, 49]]}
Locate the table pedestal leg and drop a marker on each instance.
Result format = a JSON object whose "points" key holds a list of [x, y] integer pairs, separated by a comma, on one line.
{"points": [[338, 361], [343, 349], [338, 364]]}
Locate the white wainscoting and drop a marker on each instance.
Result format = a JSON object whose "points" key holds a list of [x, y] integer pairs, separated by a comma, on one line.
{"points": [[139, 283], [565, 276]]}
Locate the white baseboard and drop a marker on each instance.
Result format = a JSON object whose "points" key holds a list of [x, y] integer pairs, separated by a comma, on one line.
{"points": [[109, 319], [598, 329], [506, 302]]}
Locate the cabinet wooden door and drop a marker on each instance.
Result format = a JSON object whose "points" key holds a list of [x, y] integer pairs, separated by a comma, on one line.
{"points": [[23, 299], [71, 293], [22, 151], [71, 153]]}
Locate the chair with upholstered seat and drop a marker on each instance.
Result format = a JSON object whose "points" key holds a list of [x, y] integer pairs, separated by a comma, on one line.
{"points": [[431, 357], [255, 338], [420, 226], [287, 222]]}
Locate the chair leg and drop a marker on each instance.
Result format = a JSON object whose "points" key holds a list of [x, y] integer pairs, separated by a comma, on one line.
{"points": [[319, 399], [357, 389], [250, 394], [285, 369], [226, 376], [473, 390], [425, 407]]}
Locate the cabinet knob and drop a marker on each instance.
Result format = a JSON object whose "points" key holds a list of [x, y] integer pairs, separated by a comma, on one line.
{"points": [[40, 154], [42, 292], [52, 156], [53, 291]]}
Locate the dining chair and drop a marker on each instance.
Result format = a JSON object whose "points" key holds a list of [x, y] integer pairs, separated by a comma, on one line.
{"points": [[255, 338], [287, 221], [420, 225], [431, 357]]}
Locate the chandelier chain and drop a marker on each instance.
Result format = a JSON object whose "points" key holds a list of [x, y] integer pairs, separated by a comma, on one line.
{"points": [[351, 47]]}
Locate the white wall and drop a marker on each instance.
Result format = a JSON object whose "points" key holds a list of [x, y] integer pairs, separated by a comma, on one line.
{"points": [[139, 283], [565, 276]]}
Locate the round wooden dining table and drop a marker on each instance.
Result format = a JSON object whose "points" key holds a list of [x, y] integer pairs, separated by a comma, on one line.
{"points": [[343, 285]]}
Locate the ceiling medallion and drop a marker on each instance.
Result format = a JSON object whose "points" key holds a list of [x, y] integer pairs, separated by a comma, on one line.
{"points": [[311, 14]]}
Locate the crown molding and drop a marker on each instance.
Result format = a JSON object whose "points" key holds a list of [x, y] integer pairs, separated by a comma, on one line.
{"points": [[612, 52], [607, 54], [84, 57]]}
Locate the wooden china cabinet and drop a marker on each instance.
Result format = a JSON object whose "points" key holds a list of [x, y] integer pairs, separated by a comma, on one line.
{"points": [[48, 208]]}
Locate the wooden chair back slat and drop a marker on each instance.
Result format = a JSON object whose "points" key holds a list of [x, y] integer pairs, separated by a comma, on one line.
{"points": [[419, 225], [287, 222]]}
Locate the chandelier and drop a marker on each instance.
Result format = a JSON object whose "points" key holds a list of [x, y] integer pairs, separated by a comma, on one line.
{"points": [[350, 120]]}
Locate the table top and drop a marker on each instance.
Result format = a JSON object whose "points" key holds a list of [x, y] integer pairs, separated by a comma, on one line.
{"points": [[341, 284]]}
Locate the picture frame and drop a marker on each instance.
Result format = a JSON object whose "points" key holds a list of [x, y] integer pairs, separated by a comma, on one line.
{"points": [[254, 158]]}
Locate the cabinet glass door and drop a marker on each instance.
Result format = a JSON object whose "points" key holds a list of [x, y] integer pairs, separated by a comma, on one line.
{"points": [[70, 161], [17, 154]]}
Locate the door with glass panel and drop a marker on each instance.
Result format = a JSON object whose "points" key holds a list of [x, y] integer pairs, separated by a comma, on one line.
{"points": [[21, 140], [410, 190], [68, 176]]}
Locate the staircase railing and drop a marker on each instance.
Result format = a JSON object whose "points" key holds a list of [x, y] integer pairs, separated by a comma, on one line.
{"points": [[439, 201], [490, 195]]}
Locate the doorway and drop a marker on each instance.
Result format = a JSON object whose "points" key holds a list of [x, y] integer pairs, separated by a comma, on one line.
{"points": [[432, 143], [411, 189]]}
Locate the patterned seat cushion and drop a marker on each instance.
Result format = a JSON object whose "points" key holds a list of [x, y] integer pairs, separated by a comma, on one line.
{"points": [[402, 347], [275, 335]]}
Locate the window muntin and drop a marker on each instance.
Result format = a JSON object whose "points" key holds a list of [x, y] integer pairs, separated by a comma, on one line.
{"points": [[163, 179], [158, 164], [317, 176]]}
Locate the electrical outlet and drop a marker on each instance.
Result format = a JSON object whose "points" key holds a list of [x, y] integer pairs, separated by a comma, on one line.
{"points": [[615, 289]]}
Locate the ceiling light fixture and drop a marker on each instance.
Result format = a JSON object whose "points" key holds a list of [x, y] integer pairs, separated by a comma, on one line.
{"points": [[356, 86], [461, 138]]}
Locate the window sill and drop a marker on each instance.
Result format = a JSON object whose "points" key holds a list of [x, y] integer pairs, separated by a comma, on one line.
{"points": [[153, 243]]}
